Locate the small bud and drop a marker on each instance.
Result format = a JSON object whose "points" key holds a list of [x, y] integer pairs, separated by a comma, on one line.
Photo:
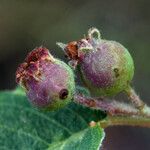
{"points": [[106, 66], [49, 82], [92, 124]]}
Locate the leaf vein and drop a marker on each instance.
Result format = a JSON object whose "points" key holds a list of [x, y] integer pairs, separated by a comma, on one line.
{"points": [[42, 116], [25, 133]]}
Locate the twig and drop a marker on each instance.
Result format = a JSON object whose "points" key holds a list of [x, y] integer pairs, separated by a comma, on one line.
{"points": [[125, 121], [118, 113]]}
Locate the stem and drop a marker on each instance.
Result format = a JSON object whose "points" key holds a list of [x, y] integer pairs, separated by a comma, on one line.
{"points": [[112, 107], [135, 99], [125, 121], [118, 113], [146, 111]]}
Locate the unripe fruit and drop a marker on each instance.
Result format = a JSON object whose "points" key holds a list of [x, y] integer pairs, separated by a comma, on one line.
{"points": [[106, 66], [49, 82]]}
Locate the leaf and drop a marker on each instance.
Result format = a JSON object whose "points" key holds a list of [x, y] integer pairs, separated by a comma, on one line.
{"points": [[88, 139], [23, 127]]}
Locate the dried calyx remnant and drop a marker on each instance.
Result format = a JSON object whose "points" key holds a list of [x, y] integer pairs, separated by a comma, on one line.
{"points": [[106, 66], [48, 82]]}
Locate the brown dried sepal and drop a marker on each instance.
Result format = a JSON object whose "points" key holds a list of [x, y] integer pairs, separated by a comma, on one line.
{"points": [[72, 50], [30, 69]]}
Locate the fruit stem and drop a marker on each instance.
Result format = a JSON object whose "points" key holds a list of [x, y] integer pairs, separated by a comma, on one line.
{"points": [[135, 99], [117, 113], [111, 107], [125, 121]]}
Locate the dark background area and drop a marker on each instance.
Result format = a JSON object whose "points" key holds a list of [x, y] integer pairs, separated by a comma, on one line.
{"points": [[25, 24]]}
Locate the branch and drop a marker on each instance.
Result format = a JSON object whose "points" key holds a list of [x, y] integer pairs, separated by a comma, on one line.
{"points": [[118, 113], [125, 121]]}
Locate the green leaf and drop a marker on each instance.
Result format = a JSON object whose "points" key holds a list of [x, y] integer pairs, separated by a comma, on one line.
{"points": [[88, 139], [23, 127]]}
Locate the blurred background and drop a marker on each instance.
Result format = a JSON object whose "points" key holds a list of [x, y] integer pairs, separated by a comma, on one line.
{"points": [[26, 24]]}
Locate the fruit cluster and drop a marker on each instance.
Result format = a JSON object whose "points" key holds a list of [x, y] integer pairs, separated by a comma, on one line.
{"points": [[106, 68]]}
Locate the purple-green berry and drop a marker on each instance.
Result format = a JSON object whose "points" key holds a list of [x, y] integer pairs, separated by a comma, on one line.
{"points": [[49, 82], [108, 70], [106, 67]]}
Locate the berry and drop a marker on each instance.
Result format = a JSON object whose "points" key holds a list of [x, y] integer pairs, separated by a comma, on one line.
{"points": [[48, 82], [107, 67]]}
